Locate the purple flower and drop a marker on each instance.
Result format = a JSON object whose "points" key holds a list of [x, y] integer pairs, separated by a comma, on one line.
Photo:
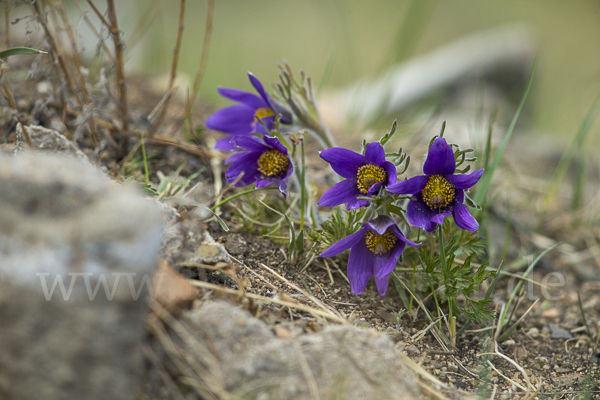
{"points": [[243, 118], [374, 250], [262, 161], [439, 193], [364, 175]]}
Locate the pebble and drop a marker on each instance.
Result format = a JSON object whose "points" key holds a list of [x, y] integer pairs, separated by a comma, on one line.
{"points": [[551, 313], [412, 350], [560, 333], [534, 332]]}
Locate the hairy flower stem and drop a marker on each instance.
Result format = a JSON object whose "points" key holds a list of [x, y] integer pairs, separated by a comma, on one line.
{"points": [[445, 274]]}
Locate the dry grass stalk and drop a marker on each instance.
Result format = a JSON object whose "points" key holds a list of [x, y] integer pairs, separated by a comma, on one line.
{"points": [[173, 73], [96, 33], [160, 140], [210, 15], [77, 61], [197, 364], [13, 104], [56, 51], [6, 25], [116, 35], [315, 312], [307, 295]]}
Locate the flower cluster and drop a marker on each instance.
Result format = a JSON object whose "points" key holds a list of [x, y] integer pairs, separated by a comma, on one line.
{"points": [[258, 157], [435, 195], [369, 180]]}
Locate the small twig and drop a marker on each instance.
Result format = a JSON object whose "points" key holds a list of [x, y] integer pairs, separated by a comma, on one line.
{"points": [[507, 378], [309, 296], [116, 34], [98, 14], [161, 116], [6, 25], [77, 61], [55, 50], [160, 140], [252, 296], [13, 105], [210, 15], [96, 33]]}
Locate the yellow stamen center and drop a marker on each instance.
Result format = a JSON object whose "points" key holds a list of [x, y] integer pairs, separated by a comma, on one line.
{"points": [[272, 162], [368, 175], [438, 192], [380, 244], [263, 113]]}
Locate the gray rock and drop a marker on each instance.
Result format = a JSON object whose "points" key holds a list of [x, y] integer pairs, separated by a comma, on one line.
{"points": [[559, 333], [48, 140], [76, 258], [186, 243], [243, 357]]}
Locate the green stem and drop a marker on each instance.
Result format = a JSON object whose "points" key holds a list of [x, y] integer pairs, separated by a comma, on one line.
{"points": [[302, 187], [442, 254], [219, 204], [145, 160]]}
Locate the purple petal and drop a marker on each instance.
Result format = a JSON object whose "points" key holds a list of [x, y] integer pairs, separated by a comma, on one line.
{"points": [[375, 154], [374, 188], [225, 144], [382, 284], [249, 99], [462, 216], [355, 203], [410, 186], [419, 214], [386, 262], [283, 187], [236, 119], [247, 164], [380, 224], [258, 127], [439, 218], [343, 161], [465, 181], [344, 244], [260, 89], [392, 174], [273, 141], [234, 157], [249, 142], [360, 268], [403, 238], [342, 192], [440, 159]]}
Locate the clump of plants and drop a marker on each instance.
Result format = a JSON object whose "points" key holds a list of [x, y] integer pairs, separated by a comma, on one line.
{"points": [[417, 230]]}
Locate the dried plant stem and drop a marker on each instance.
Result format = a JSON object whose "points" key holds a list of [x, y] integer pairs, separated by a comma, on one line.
{"points": [[55, 49], [77, 61], [210, 15], [6, 25], [160, 140], [98, 13], [252, 296], [96, 33], [116, 34], [13, 105], [170, 90]]}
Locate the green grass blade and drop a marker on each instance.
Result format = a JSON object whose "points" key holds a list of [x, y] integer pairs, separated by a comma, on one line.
{"points": [[527, 272], [15, 51], [221, 222], [575, 148], [484, 183]]}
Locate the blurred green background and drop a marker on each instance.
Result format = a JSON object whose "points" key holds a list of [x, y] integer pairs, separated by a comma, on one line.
{"points": [[357, 38]]}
